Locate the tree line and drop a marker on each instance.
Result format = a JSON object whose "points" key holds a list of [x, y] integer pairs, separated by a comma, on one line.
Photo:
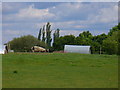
{"points": [[100, 44]]}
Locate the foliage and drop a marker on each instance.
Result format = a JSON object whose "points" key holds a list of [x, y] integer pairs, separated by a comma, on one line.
{"points": [[99, 38], [105, 44], [24, 43], [85, 34], [56, 34], [39, 35], [118, 43], [48, 34], [114, 29], [97, 42], [63, 40], [43, 34], [111, 43]]}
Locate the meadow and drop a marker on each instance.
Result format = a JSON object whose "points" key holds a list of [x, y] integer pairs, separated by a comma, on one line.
{"points": [[59, 70]]}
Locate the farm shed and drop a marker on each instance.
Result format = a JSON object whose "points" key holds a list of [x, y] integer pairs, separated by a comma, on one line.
{"points": [[77, 49]]}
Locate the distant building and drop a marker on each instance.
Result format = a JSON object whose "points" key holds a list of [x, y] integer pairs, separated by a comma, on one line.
{"points": [[77, 49], [7, 48]]}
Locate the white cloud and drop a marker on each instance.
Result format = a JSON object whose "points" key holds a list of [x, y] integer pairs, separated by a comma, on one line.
{"points": [[39, 25], [87, 13], [70, 32], [79, 26], [0, 13], [68, 25], [105, 15], [66, 10], [92, 13], [63, 25], [12, 7], [11, 32], [70, 18], [28, 14], [8, 35], [61, 1], [32, 12], [14, 32]]}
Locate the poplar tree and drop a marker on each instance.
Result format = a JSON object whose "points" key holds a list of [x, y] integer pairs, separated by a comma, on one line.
{"points": [[43, 34], [39, 35], [48, 34]]}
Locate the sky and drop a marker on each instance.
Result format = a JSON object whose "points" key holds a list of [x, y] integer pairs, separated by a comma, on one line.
{"points": [[24, 18]]}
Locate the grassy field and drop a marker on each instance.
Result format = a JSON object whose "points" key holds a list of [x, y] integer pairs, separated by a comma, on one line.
{"points": [[59, 70]]}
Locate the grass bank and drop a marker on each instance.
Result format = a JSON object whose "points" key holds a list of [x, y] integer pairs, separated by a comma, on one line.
{"points": [[59, 70]]}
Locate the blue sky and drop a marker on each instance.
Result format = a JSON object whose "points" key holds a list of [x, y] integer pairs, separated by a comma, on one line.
{"points": [[23, 18]]}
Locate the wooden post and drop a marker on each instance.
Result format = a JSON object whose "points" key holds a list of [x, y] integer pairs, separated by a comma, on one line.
{"points": [[100, 49]]}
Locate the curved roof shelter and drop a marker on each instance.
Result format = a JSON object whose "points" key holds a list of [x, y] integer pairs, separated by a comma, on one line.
{"points": [[77, 49]]}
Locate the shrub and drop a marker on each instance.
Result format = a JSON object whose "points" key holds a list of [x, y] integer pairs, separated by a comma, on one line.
{"points": [[24, 43]]}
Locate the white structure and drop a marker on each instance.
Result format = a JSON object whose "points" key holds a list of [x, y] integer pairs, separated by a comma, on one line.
{"points": [[10, 50], [77, 49], [1, 49], [2, 52]]}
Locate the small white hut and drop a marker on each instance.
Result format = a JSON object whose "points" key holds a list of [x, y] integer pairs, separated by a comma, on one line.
{"points": [[77, 49]]}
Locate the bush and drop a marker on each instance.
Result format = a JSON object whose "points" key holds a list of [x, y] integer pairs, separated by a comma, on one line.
{"points": [[24, 43]]}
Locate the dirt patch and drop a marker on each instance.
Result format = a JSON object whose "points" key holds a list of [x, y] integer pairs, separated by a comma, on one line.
{"points": [[36, 53], [59, 52]]}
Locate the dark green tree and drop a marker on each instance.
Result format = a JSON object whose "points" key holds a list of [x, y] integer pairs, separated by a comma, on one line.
{"points": [[99, 38], [39, 35], [64, 40], [48, 34], [84, 38], [56, 34], [118, 43], [97, 41], [114, 29], [43, 34], [85, 34], [110, 44]]}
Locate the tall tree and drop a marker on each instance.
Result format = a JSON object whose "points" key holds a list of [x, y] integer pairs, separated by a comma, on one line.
{"points": [[43, 34], [48, 34], [55, 38], [39, 35], [56, 34]]}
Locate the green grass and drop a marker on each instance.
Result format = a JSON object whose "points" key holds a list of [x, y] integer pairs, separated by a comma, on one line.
{"points": [[59, 70]]}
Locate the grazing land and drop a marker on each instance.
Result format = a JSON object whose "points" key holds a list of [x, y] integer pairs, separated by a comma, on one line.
{"points": [[59, 70]]}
